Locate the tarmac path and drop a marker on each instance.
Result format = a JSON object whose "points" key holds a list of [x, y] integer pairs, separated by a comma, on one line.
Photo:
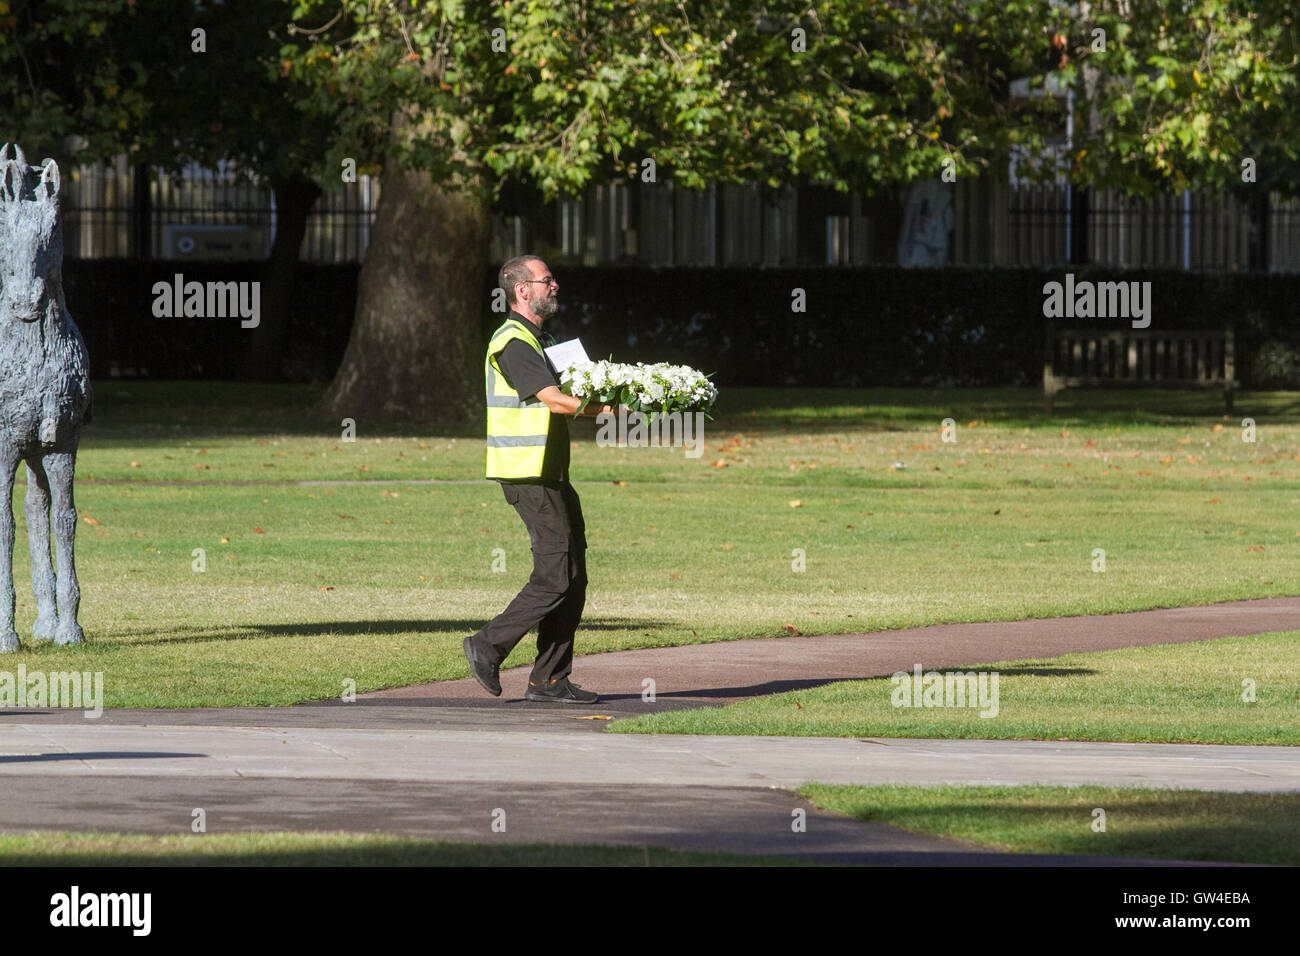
{"points": [[436, 760]]}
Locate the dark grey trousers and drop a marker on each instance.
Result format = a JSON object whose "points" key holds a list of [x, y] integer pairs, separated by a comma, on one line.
{"points": [[556, 592]]}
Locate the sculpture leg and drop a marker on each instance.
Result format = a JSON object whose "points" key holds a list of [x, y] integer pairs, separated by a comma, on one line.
{"points": [[37, 509], [63, 520], [8, 636]]}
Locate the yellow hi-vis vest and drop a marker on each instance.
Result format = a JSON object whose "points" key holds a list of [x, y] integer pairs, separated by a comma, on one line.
{"points": [[516, 429]]}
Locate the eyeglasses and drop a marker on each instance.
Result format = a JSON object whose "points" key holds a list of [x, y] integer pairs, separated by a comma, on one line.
{"points": [[547, 279]]}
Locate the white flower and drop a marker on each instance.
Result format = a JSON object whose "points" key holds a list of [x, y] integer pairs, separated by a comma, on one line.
{"points": [[653, 387]]}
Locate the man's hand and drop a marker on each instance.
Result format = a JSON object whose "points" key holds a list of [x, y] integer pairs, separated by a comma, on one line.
{"points": [[562, 404]]}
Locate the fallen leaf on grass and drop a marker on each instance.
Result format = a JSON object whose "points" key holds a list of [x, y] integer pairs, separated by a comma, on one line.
{"points": [[795, 504], [89, 520], [258, 531]]}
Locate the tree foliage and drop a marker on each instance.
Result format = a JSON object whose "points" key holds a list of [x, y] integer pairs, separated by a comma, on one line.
{"points": [[560, 92], [1180, 92], [72, 67]]}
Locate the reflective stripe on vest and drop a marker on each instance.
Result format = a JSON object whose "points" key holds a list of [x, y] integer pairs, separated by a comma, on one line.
{"points": [[516, 429]]}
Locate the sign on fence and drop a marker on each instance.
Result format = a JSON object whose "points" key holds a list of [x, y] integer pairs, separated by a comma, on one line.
{"points": [[215, 242]]}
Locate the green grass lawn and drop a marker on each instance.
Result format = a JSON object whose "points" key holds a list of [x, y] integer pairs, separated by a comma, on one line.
{"points": [[1139, 823], [1170, 693], [332, 849], [308, 586]]}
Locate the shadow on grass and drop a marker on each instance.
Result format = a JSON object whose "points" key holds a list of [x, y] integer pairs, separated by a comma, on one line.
{"points": [[1031, 671], [784, 686], [388, 853], [171, 409], [904, 409], [462, 627], [1195, 826], [167, 410]]}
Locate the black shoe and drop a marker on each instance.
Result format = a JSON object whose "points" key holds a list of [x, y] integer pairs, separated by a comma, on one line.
{"points": [[484, 672], [560, 692]]}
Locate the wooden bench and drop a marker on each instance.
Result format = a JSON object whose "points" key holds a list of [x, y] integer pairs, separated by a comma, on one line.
{"points": [[1138, 358]]}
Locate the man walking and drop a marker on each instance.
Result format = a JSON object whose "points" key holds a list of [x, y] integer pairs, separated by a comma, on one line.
{"points": [[528, 453]]}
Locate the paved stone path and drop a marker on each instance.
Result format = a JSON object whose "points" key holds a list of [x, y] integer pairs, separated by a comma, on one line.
{"points": [[720, 673]]}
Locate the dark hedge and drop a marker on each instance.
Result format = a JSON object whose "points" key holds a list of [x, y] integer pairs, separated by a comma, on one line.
{"points": [[863, 326]]}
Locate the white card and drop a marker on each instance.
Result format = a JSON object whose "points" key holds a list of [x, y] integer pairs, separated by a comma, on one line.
{"points": [[564, 354]]}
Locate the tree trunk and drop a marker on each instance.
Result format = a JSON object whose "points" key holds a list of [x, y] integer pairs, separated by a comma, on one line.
{"points": [[294, 198], [414, 353]]}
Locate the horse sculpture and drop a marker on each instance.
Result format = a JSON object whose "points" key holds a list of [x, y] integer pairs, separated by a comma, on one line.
{"points": [[45, 397]]}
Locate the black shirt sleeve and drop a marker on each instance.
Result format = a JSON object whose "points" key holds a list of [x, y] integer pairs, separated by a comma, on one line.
{"points": [[525, 370]]}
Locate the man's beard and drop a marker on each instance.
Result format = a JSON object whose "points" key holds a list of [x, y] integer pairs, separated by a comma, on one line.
{"points": [[545, 308]]}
